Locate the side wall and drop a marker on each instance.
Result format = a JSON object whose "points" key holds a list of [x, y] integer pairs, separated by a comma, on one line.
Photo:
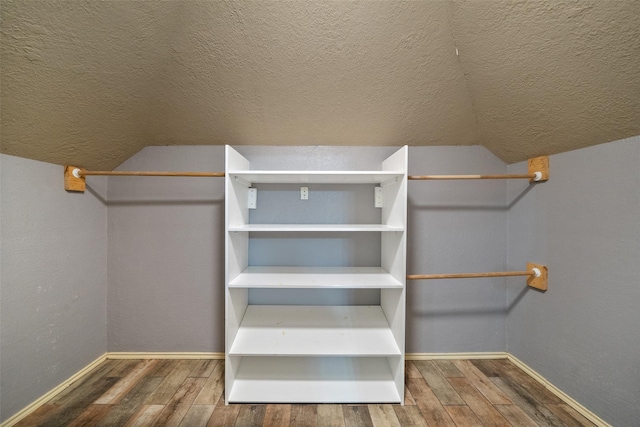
{"points": [[166, 246], [582, 334], [53, 280], [166, 254]]}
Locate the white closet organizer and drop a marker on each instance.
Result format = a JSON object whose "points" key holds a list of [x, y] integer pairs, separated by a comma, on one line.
{"points": [[313, 352]]}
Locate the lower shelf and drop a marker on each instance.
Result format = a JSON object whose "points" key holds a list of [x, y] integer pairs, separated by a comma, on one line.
{"points": [[314, 380]]}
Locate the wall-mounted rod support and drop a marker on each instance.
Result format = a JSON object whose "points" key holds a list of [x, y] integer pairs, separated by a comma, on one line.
{"points": [[536, 275], [538, 172]]}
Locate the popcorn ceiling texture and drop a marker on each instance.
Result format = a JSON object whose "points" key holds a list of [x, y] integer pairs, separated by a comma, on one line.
{"points": [[92, 83]]}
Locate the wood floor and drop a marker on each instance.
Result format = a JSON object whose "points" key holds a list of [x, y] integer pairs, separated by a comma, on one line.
{"points": [[190, 393]]}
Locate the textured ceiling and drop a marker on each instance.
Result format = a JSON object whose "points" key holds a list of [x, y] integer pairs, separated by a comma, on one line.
{"points": [[92, 83]]}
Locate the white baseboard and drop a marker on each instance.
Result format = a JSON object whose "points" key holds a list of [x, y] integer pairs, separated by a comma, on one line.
{"points": [[163, 355], [17, 417], [562, 395], [216, 355], [455, 356]]}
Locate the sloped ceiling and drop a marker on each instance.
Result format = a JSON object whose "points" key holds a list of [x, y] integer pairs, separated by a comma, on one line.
{"points": [[92, 83]]}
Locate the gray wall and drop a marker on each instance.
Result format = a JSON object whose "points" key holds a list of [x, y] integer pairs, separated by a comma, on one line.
{"points": [[455, 226], [583, 334], [166, 254], [166, 245], [52, 281]]}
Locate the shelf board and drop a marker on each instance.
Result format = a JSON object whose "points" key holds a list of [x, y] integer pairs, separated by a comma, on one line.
{"points": [[315, 277], [316, 177], [314, 227], [312, 379], [278, 330]]}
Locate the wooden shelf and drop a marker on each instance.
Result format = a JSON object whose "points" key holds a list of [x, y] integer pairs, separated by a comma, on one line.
{"points": [[270, 330], [314, 227], [315, 277], [314, 379], [315, 177]]}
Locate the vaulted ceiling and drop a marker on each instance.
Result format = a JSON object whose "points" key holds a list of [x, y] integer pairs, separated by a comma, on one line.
{"points": [[92, 83]]}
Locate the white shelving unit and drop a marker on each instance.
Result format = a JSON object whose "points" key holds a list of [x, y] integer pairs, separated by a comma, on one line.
{"points": [[315, 353]]}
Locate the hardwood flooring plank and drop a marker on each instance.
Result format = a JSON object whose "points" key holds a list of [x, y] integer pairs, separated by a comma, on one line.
{"points": [[448, 369], [99, 372], [487, 367], [518, 376], [39, 416], [164, 367], [383, 416], [569, 416], [204, 368], [330, 416], [463, 416], [126, 383], [91, 416], [438, 383], [521, 397], [145, 416], [251, 416], [224, 415], [410, 416], [304, 415], [482, 383], [357, 416], [411, 371], [515, 415], [131, 402], [123, 368], [408, 398], [180, 402], [277, 416], [213, 387], [78, 401], [197, 416], [162, 395], [476, 401], [429, 405]]}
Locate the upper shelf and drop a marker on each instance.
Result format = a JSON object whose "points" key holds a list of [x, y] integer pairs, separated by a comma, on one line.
{"points": [[314, 227], [315, 177]]}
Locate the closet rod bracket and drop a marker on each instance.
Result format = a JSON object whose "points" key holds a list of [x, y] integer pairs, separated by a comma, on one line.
{"points": [[74, 180], [539, 279], [539, 167]]}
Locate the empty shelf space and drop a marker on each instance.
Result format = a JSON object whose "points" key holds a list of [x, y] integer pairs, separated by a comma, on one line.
{"points": [[315, 277], [316, 177], [271, 330], [314, 379], [314, 227]]}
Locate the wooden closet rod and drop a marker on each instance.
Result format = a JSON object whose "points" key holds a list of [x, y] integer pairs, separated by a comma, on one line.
{"points": [[84, 172], [470, 275], [536, 275], [531, 176]]}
